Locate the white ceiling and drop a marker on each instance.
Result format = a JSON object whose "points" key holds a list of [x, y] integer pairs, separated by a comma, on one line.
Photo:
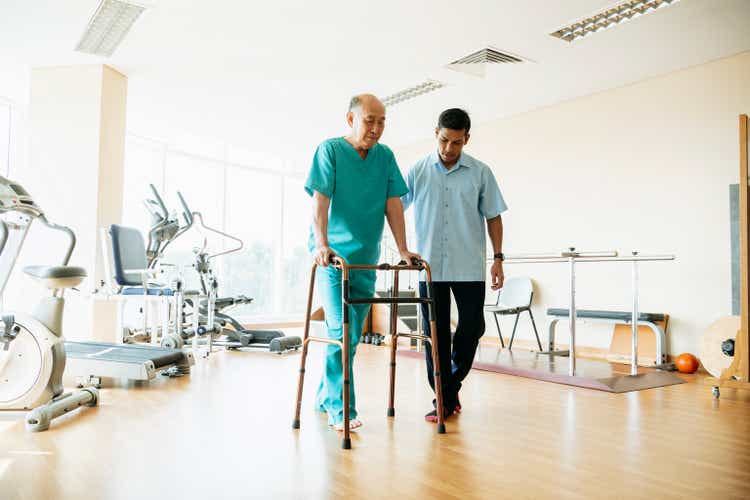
{"points": [[277, 76]]}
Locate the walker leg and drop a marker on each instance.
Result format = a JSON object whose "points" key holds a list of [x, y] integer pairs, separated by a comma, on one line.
{"points": [[346, 443], [303, 359], [394, 342]]}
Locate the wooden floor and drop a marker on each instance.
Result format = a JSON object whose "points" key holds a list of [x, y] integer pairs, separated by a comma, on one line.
{"points": [[225, 432]]}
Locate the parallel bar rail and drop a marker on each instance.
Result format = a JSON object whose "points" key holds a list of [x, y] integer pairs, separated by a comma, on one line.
{"points": [[572, 257]]}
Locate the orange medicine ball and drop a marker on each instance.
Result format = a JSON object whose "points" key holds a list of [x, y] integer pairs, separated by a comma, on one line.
{"points": [[686, 363]]}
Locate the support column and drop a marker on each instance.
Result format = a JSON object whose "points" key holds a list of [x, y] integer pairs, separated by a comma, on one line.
{"points": [[75, 173]]}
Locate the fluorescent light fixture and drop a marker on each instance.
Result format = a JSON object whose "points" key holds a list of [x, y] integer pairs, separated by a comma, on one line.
{"points": [[610, 17], [108, 26], [412, 92]]}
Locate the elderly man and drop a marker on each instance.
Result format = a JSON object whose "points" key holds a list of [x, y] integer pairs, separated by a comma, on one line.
{"points": [[453, 195], [353, 181]]}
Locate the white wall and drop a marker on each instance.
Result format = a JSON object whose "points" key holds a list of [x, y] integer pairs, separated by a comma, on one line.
{"points": [[14, 90], [644, 167]]}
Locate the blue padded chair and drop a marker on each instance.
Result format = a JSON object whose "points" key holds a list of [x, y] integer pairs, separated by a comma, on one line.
{"points": [[130, 263]]}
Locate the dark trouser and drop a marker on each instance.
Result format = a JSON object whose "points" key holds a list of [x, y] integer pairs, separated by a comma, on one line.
{"points": [[455, 362]]}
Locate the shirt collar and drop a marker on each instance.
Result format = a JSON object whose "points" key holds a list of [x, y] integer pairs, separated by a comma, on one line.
{"points": [[462, 161]]}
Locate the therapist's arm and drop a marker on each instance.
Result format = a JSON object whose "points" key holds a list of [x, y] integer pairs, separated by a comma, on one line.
{"points": [[394, 212], [322, 255], [495, 231]]}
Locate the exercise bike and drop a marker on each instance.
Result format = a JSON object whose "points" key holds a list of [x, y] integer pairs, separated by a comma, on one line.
{"points": [[32, 349]]}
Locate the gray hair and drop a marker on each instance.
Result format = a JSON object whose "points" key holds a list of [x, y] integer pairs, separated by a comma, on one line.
{"points": [[355, 102]]}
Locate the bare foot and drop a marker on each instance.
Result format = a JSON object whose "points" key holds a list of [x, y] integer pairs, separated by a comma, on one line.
{"points": [[354, 424]]}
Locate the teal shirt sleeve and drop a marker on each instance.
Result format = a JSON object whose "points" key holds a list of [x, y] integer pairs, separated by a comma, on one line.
{"points": [[408, 198], [491, 202], [322, 176], [396, 185]]}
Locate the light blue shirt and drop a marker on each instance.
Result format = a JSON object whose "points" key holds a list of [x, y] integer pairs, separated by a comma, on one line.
{"points": [[450, 209]]}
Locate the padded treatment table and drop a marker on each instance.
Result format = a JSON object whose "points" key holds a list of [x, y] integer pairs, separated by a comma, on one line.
{"points": [[649, 320]]}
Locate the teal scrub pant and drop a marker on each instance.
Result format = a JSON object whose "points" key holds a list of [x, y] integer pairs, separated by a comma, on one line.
{"points": [[328, 283]]}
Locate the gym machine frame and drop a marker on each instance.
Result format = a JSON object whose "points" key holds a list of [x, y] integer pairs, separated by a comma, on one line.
{"points": [[393, 300], [737, 375], [572, 257]]}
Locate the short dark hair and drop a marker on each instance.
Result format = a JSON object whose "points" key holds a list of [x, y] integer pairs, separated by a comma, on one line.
{"points": [[455, 119]]}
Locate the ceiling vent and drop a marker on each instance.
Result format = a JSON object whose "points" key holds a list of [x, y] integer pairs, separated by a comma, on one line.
{"points": [[108, 26], [412, 92], [610, 17], [476, 62]]}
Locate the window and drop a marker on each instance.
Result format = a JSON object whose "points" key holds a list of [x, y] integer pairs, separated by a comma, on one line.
{"points": [[266, 208], [253, 203], [296, 261], [143, 166], [5, 116]]}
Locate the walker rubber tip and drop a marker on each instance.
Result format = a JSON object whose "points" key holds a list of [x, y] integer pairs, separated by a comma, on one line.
{"points": [[391, 412], [295, 423], [441, 428], [346, 444]]}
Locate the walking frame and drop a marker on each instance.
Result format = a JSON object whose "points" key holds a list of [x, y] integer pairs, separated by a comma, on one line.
{"points": [[339, 263]]}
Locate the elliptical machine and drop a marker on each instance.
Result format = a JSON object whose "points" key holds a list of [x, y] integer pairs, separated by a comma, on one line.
{"points": [[274, 340], [211, 313], [32, 350]]}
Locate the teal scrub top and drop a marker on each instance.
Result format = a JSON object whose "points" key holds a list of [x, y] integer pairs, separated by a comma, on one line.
{"points": [[358, 190]]}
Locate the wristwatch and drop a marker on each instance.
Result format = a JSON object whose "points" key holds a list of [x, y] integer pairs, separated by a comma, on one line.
{"points": [[500, 255]]}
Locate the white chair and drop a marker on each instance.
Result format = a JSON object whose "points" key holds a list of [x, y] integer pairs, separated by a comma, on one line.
{"points": [[514, 298]]}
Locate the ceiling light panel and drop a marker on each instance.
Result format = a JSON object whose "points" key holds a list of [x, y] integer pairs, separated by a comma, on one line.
{"points": [[108, 26], [412, 92], [610, 17]]}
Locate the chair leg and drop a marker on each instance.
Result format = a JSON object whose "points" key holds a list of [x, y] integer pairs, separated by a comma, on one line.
{"points": [[538, 342], [500, 334], [513, 335]]}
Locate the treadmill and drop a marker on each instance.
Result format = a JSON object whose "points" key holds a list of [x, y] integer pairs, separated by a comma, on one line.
{"points": [[94, 360], [90, 361]]}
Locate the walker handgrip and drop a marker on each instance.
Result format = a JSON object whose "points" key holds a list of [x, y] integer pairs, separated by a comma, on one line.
{"points": [[414, 262]]}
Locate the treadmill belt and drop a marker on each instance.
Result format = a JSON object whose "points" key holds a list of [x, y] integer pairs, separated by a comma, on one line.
{"points": [[120, 353]]}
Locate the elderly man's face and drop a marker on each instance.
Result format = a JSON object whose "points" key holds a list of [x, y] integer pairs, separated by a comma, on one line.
{"points": [[367, 123]]}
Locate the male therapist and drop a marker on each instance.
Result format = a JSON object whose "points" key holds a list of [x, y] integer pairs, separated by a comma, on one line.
{"points": [[455, 196]]}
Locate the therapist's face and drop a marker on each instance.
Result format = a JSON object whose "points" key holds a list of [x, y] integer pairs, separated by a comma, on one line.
{"points": [[450, 144], [367, 123]]}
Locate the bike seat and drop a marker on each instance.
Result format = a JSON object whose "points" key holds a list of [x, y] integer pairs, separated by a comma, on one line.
{"points": [[57, 276]]}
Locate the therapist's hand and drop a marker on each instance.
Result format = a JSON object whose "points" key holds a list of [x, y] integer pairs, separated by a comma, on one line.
{"points": [[497, 274], [322, 255], [409, 257]]}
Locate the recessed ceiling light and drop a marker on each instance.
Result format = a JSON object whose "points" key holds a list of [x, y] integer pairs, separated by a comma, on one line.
{"points": [[108, 26], [610, 17], [412, 92]]}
